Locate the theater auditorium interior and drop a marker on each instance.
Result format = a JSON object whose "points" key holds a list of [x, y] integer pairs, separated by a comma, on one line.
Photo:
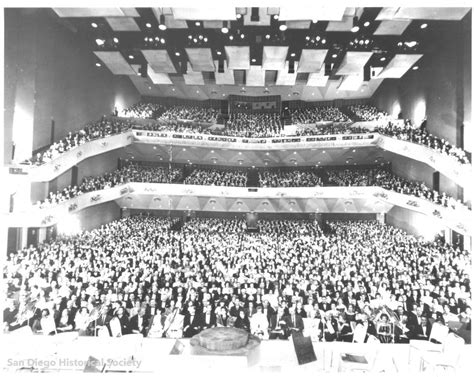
{"points": [[249, 189]]}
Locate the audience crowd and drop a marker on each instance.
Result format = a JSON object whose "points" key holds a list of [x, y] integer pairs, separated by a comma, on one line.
{"points": [[421, 136], [254, 125], [160, 278], [102, 128], [217, 177], [307, 115], [289, 178], [143, 110], [367, 113]]}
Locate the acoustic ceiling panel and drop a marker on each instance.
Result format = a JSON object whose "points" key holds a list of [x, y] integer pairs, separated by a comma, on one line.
{"points": [[255, 76], [193, 78], [285, 78], [298, 24], [345, 25], [122, 24], [96, 12], [170, 21], [425, 13], [399, 65], [200, 59], [263, 18], [222, 12], [315, 11], [115, 62], [352, 82], [159, 60], [353, 62], [274, 57], [225, 78], [390, 27], [311, 60], [238, 57], [317, 79]]}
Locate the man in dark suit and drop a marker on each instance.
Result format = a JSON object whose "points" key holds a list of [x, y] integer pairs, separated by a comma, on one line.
{"points": [[208, 316], [414, 323], [139, 322], [103, 321], [268, 309], [279, 328], [294, 321], [192, 324], [124, 321]]}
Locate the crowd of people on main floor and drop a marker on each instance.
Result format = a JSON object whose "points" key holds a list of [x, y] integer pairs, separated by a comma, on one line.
{"points": [[305, 115], [144, 275], [420, 136], [331, 129], [217, 177], [96, 130], [253, 125], [368, 113], [289, 178], [273, 177]]}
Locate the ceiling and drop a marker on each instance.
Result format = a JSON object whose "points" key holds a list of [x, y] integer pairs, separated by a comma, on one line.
{"points": [[318, 57]]}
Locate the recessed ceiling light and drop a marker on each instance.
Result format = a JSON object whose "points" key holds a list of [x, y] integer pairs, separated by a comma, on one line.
{"points": [[355, 29], [162, 26], [100, 42], [240, 152], [200, 37], [267, 36], [218, 52], [323, 41], [205, 39], [94, 25], [195, 40], [212, 151], [190, 37], [315, 21], [173, 89], [366, 23], [242, 36], [163, 40], [98, 64], [225, 30], [197, 91], [254, 60], [116, 40], [383, 58], [334, 56], [276, 17], [184, 149], [223, 94], [415, 67], [283, 27], [130, 56], [293, 54], [231, 37], [307, 38], [423, 26], [177, 53], [197, 23], [238, 15], [148, 25]]}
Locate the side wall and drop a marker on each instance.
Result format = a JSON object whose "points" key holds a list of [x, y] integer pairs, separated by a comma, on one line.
{"points": [[50, 75], [94, 217], [413, 222]]}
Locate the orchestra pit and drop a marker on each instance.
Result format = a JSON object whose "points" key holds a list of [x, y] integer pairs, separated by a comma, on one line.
{"points": [[274, 190]]}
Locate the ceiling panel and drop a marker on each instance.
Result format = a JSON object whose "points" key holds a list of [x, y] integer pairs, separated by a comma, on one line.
{"points": [[345, 25], [298, 24], [122, 24], [311, 60], [200, 59], [274, 57], [226, 78], [285, 78], [353, 62], [159, 61], [193, 78], [315, 11], [352, 82], [427, 13], [170, 21], [213, 24], [255, 76], [389, 27], [115, 62], [317, 79], [399, 65], [263, 15], [238, 57], [94, 12], [222, 12]]}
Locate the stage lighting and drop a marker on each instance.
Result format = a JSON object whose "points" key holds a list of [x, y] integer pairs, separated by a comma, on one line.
{"points": [[162, 25]]}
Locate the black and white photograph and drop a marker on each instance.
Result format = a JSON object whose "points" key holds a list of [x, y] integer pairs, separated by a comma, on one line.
{"points": [[249, 188]]}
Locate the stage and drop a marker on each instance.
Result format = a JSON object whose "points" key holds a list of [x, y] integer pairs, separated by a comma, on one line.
{"points": [[131, 353]]}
